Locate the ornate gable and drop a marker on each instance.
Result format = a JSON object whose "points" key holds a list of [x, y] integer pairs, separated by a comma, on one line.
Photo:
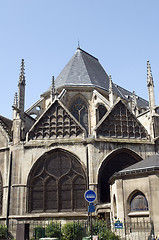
{"points": [[56, 122], [120, 122]]}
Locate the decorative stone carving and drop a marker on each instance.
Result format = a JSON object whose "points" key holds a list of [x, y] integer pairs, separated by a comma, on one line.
{"points": [[121, 123], [57, 122]]}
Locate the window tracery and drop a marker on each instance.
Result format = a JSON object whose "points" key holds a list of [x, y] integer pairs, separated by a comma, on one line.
{"points": [[121, 123], [101, 111], [57, 183], [55, 123], [80, 111]]}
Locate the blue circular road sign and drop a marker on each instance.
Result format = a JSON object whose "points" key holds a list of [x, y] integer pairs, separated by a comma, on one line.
{"points": [[90, 196]]}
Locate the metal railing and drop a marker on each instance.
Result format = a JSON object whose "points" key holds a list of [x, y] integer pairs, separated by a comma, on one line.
{"points": [[133, 230]]}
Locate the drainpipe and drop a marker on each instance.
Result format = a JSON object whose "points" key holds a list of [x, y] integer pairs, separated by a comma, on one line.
{"points": [[9, 189], [87, 159]]}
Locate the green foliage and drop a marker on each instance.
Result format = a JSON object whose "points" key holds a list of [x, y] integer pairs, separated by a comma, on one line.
{"points": [[99, 228], [108, 235], [72, 231], [53, 230], [3, 231]]}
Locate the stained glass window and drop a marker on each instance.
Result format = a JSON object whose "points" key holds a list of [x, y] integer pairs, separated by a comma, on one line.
{"points": [[57, 183]]}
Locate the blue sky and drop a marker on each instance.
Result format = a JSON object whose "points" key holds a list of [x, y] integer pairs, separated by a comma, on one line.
{"points": [[123, 35]]}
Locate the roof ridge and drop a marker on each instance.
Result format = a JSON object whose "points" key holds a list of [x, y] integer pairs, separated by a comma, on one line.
{"points": [[87, 53]]}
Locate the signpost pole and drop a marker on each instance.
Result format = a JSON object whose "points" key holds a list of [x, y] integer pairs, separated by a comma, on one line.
{"points": [[90, 197], [91, 227], [88, 222]]}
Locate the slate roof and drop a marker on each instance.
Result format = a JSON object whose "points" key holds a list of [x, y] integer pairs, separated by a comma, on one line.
{"points": [[142, 103], [85, 70], [149, 164], [7, 124]]}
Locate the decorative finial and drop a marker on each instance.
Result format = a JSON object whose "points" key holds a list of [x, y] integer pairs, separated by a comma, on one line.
{"points": [[111, 95], [53, 89], [78, 45], [21, 89], [150, 85], [15, 103], [134, 102], [22, 73], [53, 84], [110, 84], [149, 75]]}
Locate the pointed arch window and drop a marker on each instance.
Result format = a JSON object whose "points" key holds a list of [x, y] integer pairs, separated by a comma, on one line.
{"points": [[101, 111], [80, 111], [138, 202], [56, 183]]}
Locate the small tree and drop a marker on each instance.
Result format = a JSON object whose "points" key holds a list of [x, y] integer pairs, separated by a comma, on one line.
{"points": [[72, 231], [100, 228], [108, 235], [53, 230]]}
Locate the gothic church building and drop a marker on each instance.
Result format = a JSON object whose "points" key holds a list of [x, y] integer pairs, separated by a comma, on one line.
{"points": [[85, 132]]}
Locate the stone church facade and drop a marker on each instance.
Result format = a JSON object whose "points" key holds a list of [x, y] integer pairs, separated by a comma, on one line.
{"points": [[85, 132]]}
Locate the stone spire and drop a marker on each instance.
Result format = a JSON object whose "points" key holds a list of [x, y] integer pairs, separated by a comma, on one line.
{"points": [[111, 97], [18, 127], [22, 73], [150, 85], [21, 86]]}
